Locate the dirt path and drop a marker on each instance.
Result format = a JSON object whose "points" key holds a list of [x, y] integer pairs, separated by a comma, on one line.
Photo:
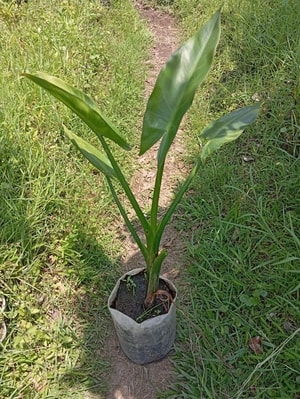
{"points": [[127, 380]]}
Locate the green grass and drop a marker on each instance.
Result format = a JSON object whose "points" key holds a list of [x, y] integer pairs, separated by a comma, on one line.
{"points": [[242, 274], [59, 248]]}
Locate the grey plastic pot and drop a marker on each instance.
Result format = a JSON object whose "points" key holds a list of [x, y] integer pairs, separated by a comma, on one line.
{"points": [[150, 340]]}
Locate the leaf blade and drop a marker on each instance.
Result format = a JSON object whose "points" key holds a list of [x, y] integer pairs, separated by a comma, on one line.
{"points": [[83, 105], [227, 128], [91, 153], [176, 84]]}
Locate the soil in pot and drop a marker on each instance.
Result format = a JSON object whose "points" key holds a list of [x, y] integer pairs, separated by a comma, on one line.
{"points": [[131, 297]]}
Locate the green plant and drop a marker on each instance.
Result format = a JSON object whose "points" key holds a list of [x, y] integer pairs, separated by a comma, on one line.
{"points": [[130, 284], [171, 97], [153, 311]]}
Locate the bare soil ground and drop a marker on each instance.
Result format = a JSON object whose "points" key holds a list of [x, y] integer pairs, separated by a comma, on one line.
{"points": [[128, 380]]}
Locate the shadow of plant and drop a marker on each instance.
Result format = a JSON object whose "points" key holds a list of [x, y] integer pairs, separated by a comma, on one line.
{"points": [[97, 275]]}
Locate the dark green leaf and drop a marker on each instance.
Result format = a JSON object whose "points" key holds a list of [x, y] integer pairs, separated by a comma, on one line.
{"points": [[79, 103], [175, 87], [90, 152], [227, 128]]}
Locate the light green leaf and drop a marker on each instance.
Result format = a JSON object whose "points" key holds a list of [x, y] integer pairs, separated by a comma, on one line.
{"points": [[81, 104], [249, 300], [91, 153], [227, 128], [175, 87]]}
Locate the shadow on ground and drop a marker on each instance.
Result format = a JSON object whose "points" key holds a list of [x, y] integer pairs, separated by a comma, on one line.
{"points": [[93, 310], [100, 347]]}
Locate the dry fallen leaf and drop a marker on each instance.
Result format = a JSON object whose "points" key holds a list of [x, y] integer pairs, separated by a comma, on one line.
{"points": [[247, 158], [255, 344]]}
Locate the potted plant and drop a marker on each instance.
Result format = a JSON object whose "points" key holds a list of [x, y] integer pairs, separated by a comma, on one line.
{"points": [[150, 335]]}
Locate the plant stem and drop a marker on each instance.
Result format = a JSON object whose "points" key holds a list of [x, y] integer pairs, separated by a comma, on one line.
{"points": [[156, 194], [154, 259], [126, 219], [154, 271], [126, 188], [172, 207]]}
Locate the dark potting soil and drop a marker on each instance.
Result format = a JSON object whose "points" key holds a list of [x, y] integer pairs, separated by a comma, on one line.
{"points": [[131, 296]]}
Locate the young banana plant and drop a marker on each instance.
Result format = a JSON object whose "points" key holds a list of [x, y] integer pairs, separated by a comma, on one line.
{"points": [[170, 99]]}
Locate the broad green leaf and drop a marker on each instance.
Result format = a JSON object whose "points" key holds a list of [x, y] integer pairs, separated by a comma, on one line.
{"points": [[79, 103], [175, 87], [227, 128], [91, 153]]}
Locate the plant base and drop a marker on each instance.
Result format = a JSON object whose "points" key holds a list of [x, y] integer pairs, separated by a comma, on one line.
{"points": [[147, 341]]}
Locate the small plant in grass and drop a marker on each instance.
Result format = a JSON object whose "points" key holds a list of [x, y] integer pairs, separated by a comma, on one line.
{"points": [[171, 97]]}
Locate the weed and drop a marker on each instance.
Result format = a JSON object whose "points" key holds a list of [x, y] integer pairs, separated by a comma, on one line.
{"points": [[130, 284], [154, 311]]}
